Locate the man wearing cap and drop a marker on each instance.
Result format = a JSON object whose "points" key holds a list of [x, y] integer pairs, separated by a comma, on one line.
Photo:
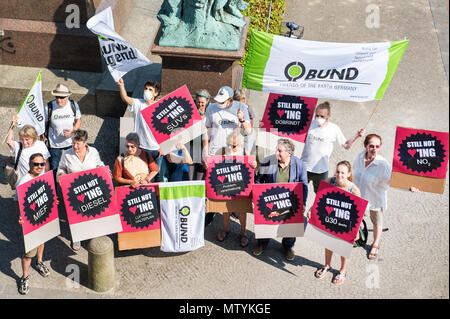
{"points": [[221, 119], [62, 116]]}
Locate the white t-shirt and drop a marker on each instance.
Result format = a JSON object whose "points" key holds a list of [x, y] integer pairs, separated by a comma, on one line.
{"points": [[222, 122], [62, 118], [146, 138], [319, 146], [23, 166], [26, 178], [373, 181]]}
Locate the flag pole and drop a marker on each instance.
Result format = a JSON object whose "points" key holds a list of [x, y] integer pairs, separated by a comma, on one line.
{"points": [[11, 126], [373, 112]]}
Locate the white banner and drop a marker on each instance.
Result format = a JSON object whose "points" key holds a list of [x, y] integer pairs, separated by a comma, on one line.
{"points": [[120, 56], [31, 112], [344, 71], [182, 207]]}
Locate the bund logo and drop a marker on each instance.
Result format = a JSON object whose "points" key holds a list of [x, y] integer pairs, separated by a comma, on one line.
{"points": [[294, 71]]}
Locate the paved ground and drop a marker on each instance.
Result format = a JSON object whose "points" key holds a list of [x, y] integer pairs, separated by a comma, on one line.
{"points": [[414, 254]]}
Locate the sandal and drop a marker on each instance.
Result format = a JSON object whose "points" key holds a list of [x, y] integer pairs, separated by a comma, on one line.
{"points": [[320, 273], [244, 241], [373, 255], [339, 279], [222, 235]]}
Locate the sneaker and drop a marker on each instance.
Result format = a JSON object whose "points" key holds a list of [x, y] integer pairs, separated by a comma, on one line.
{"points": [[258, 250], [289, 254], [24, 286], [42, 269]]}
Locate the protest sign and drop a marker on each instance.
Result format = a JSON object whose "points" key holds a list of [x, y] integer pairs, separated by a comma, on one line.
{"points": [[90, 203], [335, 219], [420, 159], [172, 115], [229, 177], [182, 215], [120, 56], [278, 210], [342, 71], [32, 110], [139, 212], [37, 202]]}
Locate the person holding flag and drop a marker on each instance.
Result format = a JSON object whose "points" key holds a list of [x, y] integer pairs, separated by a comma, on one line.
{"points": [[322, 134], [27, 145], [62, 117]]}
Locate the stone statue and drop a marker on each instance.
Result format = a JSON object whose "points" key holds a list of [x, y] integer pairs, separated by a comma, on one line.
{"points": [[206, 24]]}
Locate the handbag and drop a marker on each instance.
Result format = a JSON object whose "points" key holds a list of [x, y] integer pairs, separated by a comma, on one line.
{"points": [[11, 173]]}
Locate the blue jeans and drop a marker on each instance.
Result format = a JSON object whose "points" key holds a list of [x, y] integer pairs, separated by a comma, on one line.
{"points": [[55, 157], [287, 242], [155, 154]]}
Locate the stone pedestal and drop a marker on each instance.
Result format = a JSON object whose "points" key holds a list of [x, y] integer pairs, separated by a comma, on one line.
{"points": [[36, 33], [199, 68]]}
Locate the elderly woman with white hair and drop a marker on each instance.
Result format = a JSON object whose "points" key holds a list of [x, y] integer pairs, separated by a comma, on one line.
{"points": [[282, 167]]}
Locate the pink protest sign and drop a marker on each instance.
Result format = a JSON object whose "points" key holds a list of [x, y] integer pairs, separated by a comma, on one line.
{"points": [[288, 116], [37, 202], [337, 212], [278, 210], [90, 203], [175, 113], [139, 208], [421, 152], [229, 177]]}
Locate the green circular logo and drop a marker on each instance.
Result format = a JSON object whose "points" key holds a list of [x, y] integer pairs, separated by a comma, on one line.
{"points": [[30, 99], [295, 71], [185, 211]]}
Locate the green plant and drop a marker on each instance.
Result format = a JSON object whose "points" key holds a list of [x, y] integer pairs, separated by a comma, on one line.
{"points": [[258, 12]]}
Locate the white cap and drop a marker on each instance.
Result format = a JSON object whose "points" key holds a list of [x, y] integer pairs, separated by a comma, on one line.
{"points": [[225, 93]]}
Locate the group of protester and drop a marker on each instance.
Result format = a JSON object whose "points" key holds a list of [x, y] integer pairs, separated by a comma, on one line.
{"points": [[229, 123]]}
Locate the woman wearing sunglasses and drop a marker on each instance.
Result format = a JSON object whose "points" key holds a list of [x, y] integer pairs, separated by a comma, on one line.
{"points": [[372, 174], [37, 165]]}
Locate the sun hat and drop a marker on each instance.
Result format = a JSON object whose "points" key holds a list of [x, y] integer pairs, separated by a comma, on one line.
{"points": [[61, 90]]}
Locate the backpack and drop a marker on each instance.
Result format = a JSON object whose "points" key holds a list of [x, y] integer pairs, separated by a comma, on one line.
{"points": [[49, 116], [363, 234]]}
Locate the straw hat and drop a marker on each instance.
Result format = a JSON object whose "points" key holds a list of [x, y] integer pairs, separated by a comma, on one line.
{"points": [[61, 90]]}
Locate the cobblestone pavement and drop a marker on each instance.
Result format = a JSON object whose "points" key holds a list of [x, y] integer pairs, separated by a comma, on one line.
{"points": [[414, 254]]}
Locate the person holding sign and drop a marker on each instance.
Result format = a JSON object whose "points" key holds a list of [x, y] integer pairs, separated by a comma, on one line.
{"points": [[372, 175], [147, 140], [342, 179], [322, 134], [28, 144], [136, 166], [283, 167], [235, 146], [37, 165], [79, 158]]}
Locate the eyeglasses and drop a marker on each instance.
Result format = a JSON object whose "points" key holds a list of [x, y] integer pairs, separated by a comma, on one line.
{"points": [[60, 97], [38, 164], [374, 146], [233, 145]]}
